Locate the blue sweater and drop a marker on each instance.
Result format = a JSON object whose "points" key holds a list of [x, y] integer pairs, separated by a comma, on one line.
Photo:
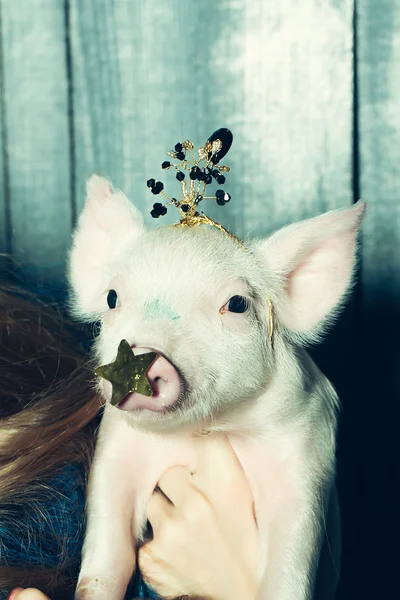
{"points": [[49, 531]]}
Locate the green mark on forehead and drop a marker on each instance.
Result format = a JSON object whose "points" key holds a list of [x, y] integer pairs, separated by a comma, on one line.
{"points": [[156, 308]]}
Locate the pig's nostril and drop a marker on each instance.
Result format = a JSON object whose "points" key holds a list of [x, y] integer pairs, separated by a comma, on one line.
{"points": [[158, 384], [158, 379]]}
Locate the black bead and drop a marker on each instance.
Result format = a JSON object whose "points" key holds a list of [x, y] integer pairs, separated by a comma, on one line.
{"points": [[222, 197], [158, 210], [221, 179], [208, 179], [159, 186], [185, 208], [166, 164], [226, 137], [180, 155], [193, 173], [151, 183], [180, 176], [178, 147], [201, 175], [215, 173]]}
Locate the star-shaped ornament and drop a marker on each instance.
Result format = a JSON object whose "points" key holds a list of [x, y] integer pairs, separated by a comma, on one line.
{"points": [[128, 373]]}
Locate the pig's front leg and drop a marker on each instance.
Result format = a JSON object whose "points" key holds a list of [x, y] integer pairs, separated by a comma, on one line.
{"points": [[293, 543], [127, 466], [108, 554]]}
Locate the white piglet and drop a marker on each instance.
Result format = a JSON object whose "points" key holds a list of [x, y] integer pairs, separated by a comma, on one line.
{"points": [[218, 370]]}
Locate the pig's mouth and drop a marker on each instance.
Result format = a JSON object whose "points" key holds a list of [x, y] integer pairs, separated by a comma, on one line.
{"points": [[160, 401], [168, 385]]}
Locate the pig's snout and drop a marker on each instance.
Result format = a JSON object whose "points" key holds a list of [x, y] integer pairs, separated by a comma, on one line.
{"points": [[165, 382]]}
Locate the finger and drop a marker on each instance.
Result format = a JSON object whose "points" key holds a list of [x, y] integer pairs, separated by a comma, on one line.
{"points": [[29, 594], [150, 564], [159, 508], [219, 473], [216, 460], [14, 593], [176, 484], [155, 572]]}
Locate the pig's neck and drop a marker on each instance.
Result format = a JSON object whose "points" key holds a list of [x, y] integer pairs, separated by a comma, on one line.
{"points": [[297, 393]]}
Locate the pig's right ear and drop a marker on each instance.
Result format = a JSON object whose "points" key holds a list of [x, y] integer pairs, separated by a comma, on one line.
{"points": [[106, 223]]}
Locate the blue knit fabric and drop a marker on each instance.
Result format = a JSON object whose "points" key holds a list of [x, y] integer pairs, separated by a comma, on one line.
{"points": [[49, 530]]}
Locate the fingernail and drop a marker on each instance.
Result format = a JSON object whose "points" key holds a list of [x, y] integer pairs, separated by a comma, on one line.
{"points": [[14, 593]]}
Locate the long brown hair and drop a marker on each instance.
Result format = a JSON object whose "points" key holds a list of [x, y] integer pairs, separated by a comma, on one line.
{"points": [[47, 417]]}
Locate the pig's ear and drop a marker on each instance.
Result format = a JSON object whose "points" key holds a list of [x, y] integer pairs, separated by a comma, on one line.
{"points": [[107, 222], [314, 261]]}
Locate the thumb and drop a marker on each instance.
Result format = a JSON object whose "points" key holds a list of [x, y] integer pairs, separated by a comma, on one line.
{"points": [[27, 594], [217, 462], [14, 593]]}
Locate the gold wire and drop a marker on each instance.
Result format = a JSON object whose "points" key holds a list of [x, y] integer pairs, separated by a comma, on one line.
{"points": [[197, 219], [270, 320]]}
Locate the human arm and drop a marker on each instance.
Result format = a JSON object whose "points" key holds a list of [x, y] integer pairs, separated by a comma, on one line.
{"points": [[205, 539]]}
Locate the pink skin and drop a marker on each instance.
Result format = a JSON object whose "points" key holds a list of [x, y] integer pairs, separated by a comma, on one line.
{"points": [[163, 378]]}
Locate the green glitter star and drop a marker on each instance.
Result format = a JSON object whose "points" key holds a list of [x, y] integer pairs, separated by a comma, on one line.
{"points": [[127, 373]]}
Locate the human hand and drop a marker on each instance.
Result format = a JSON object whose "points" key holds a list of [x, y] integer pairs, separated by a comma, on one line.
{"points": [[27, 594], [205, 540]]}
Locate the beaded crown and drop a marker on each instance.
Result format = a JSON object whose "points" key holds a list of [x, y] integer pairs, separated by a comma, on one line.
{"points": [[202, 170]]}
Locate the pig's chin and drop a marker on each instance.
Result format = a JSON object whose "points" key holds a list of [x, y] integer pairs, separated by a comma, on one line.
{"points": [[137, 402], [166, 393]]}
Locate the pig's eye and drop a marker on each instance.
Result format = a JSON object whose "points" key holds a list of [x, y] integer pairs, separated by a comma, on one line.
{"points": [[237, 304], [112, 299]]}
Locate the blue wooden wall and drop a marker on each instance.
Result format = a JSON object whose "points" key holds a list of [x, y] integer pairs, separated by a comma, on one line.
{"points": [[311, 91]]}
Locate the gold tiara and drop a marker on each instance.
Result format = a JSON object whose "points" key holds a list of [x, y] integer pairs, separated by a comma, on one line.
{"points": [[202, 170]]}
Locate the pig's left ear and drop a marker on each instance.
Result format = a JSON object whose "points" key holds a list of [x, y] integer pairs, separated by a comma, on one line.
{"points": [[108, 221], [315, 261]]}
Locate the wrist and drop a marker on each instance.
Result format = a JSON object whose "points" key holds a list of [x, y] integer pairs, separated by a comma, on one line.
{"points": [[240, 590]]}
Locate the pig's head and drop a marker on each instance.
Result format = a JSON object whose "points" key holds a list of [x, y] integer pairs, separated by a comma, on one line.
{"points": [[200, 301]]}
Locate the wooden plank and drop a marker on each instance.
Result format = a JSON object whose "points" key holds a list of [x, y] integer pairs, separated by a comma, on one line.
{"points": [[36, 112], [133, 93], [379, 119], [4, 240]]}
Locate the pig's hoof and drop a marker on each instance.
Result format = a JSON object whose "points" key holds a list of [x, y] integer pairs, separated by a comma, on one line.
{"points": [[92, 588]]}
